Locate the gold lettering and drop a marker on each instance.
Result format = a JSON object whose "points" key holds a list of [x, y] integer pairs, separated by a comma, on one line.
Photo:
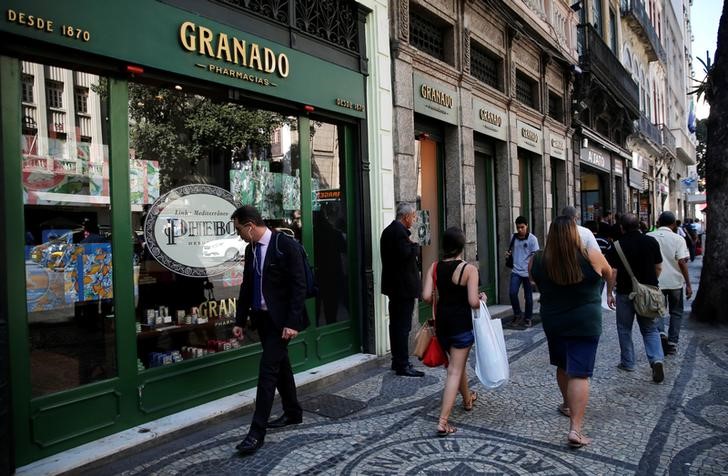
{"points": [[12, 15], [283, 66], [49, 27], [232, 306], [239, 52], [203, 309], [255, 57], [223, 308], [213, 308], [222, 45], [31, 20], [21, 18], [269, 60], [188, 40], [205, 41]]}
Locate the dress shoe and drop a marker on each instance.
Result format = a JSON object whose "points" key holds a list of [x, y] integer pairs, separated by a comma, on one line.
{"points": [[249, 446], [283, 420], [409, 372]]}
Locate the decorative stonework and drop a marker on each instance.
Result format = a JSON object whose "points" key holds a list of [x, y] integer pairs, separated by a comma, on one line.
{"points": [[555, 79], [487, 32], [404, 20], [466, 50], [525, 59]]}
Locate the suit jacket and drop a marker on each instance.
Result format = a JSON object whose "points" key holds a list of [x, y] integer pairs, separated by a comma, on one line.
{"points": [[400, 272], [284, 284]]}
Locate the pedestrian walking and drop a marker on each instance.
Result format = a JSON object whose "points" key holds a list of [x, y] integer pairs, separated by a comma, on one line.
{"points": [[523, 246], [569, 278], [401, 283], [672, 279], [457, 296], [643, 255], [587, 236], [272, 297]]}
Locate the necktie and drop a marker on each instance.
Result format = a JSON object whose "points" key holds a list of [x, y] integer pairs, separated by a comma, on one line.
{"points": [[258, 278]]}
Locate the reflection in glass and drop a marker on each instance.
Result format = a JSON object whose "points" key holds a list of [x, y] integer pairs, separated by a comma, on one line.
{"points": [[328, 185], [179, 138], [65, 176]]}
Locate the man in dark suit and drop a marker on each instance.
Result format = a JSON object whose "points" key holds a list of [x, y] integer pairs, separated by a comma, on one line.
{"points": [[272, 296], [401, 283]]}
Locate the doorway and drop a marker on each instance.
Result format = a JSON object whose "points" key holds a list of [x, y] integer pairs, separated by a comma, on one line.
{"points": [[485, 220]]}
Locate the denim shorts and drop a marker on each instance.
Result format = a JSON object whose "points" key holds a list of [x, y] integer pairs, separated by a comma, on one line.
{"points": [[576, 355], [459, 341]]}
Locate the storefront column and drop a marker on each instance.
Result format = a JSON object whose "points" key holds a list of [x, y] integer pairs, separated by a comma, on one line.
{"points": [[468, 174], [505, 209]]}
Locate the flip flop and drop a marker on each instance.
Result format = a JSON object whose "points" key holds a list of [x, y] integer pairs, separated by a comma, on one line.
{"points": [[577, 440], [469, 406], [564, 410]]}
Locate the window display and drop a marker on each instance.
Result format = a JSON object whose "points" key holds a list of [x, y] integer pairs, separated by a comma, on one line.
{"points": [[193, 161], [68, 257]]}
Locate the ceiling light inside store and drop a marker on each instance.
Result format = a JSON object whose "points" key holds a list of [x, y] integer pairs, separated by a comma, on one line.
{"points": [[178, 87]]}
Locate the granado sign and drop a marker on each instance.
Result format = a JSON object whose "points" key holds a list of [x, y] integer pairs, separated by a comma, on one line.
{"points": [[182, 221]]}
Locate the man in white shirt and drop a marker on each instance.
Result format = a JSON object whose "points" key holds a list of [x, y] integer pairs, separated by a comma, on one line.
{"points": [[674, 276], [588, 240]]}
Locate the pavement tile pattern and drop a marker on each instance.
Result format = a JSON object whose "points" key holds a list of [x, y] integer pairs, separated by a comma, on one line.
{"points": [[679, 427]]}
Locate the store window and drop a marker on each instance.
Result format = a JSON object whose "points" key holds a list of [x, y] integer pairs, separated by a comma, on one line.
{"points": [[330, 223], [193, 159], [68, 258]]}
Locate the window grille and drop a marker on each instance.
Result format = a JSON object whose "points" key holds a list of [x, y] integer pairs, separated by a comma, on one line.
{"points": [[427, 36], [556, 107], [28, 88], [526, 90], [54, 94], [486, 67]]}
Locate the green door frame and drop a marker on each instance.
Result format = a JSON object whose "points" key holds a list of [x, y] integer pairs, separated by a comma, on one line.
{"points": [[52, 423], [491, 288]]}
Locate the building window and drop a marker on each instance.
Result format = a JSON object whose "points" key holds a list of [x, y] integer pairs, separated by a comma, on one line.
{"points": [[81, 100], [526, 90], [54, 94], [28, 88], [597, 17], [426, 35], [486, 67], [556, 107]]}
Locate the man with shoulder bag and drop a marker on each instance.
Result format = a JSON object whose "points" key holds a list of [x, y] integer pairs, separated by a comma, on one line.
{"points": [[637, 262]]}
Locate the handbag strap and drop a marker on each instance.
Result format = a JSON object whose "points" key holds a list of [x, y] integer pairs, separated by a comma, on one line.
{"points": [[513, 238], [434, 290], [624, 260]]}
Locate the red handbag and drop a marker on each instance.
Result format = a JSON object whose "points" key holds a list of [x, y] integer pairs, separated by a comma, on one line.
{"points": [[434, 356]]}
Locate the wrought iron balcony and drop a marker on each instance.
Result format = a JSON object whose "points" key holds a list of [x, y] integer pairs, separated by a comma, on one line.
{"points": [[634, 13], [650, 131], [668, 139], [596, 58]]}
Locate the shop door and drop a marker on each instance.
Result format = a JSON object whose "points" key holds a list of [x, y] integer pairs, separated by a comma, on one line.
{"points": [[329, 225], [485, 216], [429, 206]]}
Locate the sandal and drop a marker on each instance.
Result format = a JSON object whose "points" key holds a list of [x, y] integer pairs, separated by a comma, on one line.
{"points": [[468, 406], [577, 440], [564, 410], [444, 428]]}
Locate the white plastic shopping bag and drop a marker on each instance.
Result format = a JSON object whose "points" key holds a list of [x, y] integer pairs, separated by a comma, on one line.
{"points": [[491, 359]]}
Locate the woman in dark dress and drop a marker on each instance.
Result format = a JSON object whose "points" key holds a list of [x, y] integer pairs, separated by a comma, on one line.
{"points": [[457, 295], [569, 278]]}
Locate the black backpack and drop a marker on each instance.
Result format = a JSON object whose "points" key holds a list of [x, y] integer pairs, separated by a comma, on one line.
{"points": [[311, 285]]}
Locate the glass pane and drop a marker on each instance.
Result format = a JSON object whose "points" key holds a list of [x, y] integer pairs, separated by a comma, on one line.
{"points": [[428, 207], [193, 160], [328, 185], [68, 258]]}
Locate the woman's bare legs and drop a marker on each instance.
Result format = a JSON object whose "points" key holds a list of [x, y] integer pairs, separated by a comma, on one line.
{"points": [[563, 380], [577, 394], [454, 382]]}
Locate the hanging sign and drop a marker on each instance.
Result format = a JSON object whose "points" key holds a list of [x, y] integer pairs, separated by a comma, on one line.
{"points": [[189, 231]]}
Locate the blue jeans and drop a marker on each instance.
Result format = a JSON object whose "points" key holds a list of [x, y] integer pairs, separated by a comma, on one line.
{"points": [[675, 305], [516, 282], [648, 328]]}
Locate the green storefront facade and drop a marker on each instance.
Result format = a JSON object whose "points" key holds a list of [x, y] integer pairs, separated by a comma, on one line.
{"points": [[109, 108]]}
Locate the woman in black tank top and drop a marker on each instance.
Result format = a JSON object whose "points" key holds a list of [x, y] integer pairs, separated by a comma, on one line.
{"points": [[457, 295]]}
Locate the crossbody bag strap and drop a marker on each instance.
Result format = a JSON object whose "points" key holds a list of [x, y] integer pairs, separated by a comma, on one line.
{"points": [[462, 270], [624, 260], [513, 238]]}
